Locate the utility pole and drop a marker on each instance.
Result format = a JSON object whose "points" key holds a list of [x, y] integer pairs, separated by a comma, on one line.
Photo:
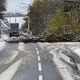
{"points": [[29, 22], [15, 15]]}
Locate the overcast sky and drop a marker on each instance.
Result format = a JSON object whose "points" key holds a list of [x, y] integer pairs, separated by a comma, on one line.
{"points": [[17, 5]]}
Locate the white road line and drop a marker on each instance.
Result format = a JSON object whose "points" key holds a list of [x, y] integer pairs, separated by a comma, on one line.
{"points": [[36, 49], [34, 45], [39, 66], [37, 52], [21, 46], [39, 63], [40, 77], [39, 59]]}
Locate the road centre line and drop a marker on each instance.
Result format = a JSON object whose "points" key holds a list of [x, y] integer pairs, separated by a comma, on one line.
{"points": [[39, 67], [39, 63], [36, 49], [34, 46], [39, 59], [37, 52], [40, 77]]}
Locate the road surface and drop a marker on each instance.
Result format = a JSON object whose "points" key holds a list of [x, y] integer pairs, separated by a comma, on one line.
{"points": [[26, 61]]}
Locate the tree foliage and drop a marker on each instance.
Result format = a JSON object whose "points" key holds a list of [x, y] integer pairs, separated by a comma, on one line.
{"points": [[56, 21], [38, 13], [65, 22], [25, 25]]}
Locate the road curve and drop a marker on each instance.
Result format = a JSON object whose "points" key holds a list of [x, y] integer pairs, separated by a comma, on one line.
{"points": [[26, 61]]}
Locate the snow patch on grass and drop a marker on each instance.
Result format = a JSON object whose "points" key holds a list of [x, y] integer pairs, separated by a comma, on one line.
{"points": [[10, 72]]}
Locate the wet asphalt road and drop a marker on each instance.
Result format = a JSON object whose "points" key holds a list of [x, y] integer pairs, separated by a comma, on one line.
{"points": [[26, 61]]}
